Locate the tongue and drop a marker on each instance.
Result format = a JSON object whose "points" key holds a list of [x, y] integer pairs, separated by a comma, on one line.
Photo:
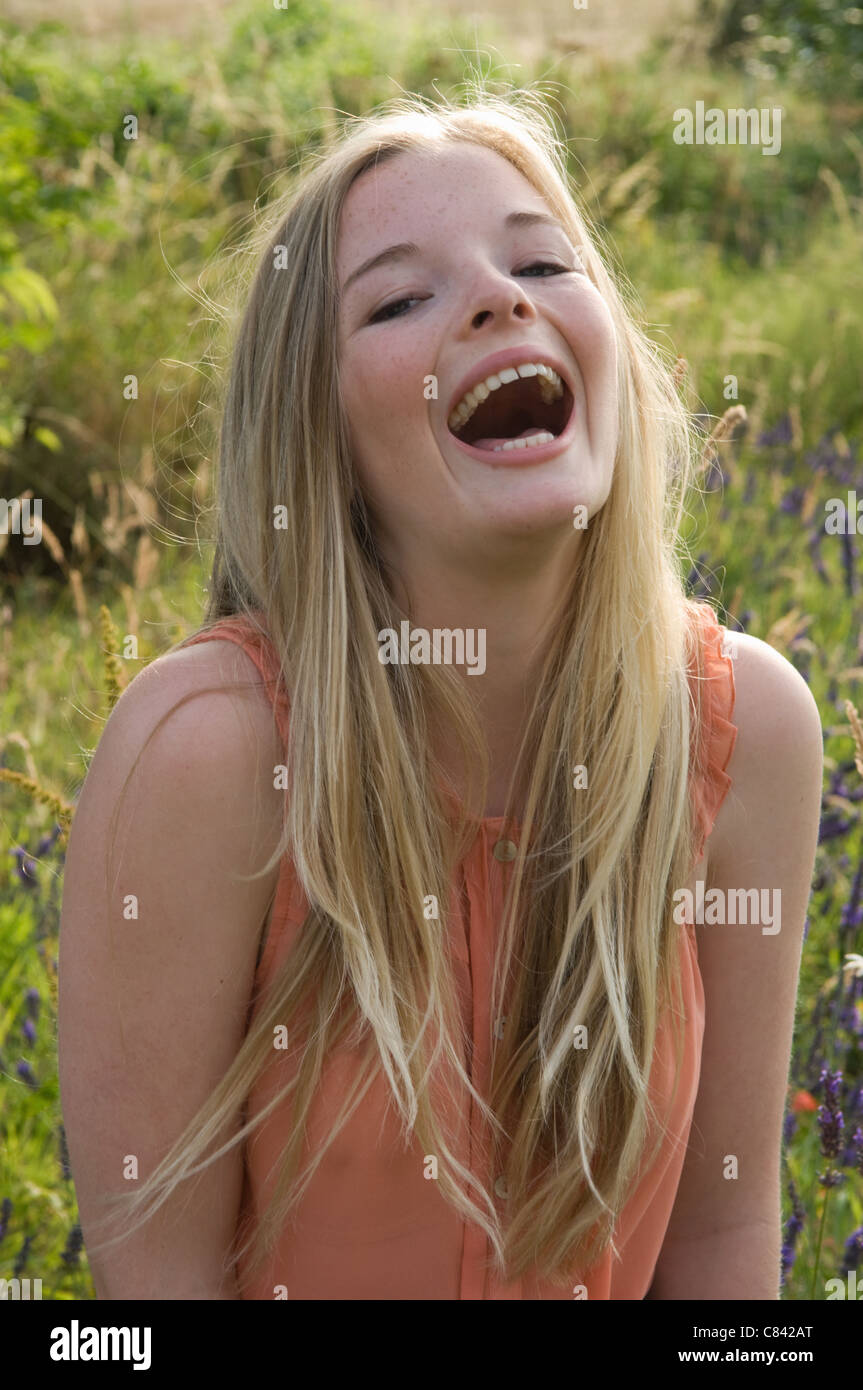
{"points": [[493, 443]]}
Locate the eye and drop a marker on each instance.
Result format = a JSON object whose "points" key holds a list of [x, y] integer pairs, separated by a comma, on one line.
{"points": [[546, 265], [388, 310]]}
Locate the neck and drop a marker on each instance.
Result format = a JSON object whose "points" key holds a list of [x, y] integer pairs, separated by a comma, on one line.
{"points": [[516, 616]]}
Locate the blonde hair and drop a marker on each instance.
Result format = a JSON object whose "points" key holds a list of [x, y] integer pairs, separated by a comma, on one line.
{"points": [[589, 915]]}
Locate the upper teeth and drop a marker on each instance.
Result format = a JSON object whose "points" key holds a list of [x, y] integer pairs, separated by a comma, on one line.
{"points": [[551, 386]]}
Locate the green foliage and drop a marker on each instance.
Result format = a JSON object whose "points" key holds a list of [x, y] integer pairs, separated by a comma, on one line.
{"points": [[818, 42], [749, 266]]}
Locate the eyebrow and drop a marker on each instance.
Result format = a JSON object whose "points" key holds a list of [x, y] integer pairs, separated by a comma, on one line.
{"points": [[403, 249]]}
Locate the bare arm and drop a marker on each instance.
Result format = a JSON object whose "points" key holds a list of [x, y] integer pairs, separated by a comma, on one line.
{"points": [[152, 1009], [723, 1241]]}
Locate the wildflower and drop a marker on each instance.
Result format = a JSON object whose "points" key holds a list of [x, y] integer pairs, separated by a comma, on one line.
{"points": [[815, 556], [793, 1227], [73, 1247], [832, 826], [853, 1251], [793, 501], [65, 1166], [803, 1100], [831, 1178], [854, 966], [857, 1141], [29, 1030], [32, 1000], [850, 553], [698, 581], [852, 913], [5, 1213], [25, 1072], [21, 1257], [47, 841], [63, 810], [830, 1125], [25, 865], [782, 432]]}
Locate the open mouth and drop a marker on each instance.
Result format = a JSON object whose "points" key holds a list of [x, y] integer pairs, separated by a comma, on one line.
{"points": [[521, 414]]}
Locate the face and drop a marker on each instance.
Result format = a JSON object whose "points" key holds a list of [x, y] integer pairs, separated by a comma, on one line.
{"points": [[483, 292]]}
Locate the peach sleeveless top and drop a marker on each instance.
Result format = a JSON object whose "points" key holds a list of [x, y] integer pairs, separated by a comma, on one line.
{"points": [[371, 1225]]}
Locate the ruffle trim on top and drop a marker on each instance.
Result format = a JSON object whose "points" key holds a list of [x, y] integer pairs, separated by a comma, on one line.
{"points": [[718, 731]]}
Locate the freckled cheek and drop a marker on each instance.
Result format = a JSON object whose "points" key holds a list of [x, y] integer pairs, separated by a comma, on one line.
{"points": [[596, 344], [381, 406]]}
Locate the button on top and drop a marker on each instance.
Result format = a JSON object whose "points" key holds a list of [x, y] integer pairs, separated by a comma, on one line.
{"points": [[504, 851]]}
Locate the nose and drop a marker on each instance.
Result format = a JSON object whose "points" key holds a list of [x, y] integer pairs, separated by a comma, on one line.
{"points": [[496, 296]]}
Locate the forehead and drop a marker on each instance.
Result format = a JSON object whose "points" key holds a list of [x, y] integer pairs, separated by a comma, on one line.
{"points": [[415, 189]]}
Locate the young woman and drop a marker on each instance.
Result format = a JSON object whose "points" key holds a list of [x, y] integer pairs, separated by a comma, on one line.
{"points": [[386, 889]]}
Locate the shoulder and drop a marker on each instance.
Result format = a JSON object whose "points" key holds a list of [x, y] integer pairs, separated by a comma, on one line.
{"points": [[777, 762], [773, 704], [193, 736], [210, 696]]}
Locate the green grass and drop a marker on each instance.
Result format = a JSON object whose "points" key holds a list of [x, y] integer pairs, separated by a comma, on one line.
{"points": [[748, 267]]}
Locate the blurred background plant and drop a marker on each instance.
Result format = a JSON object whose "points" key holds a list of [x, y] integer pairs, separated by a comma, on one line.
{"points": [[819, 42], [119, 263]]}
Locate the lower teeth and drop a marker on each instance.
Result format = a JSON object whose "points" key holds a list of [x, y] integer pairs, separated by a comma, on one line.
{"points": [[544, 437]]}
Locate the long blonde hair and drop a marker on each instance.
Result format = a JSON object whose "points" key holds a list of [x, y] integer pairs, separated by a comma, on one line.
{"points": [[589, 914]]}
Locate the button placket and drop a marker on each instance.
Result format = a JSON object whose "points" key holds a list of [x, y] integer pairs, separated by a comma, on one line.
{"points": [[475, 1242], [483, 879], [504, 851]]}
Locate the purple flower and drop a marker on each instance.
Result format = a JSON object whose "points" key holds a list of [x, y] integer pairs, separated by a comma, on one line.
{"points": [[715, 475], [5, 1213], [65, 1166], [815, 556], [832, 826], [830, 1125], [786, 1261], [32, 1000], [793, 501], [47, 841], [852, 912], [853, 1251], [850, 553], [25, 866], [29, 1030], [25, 1072], [832, 1083], [781, 433], [789, 1127], [21, 1258], [699, 580], [72, 1247], [857, 1141], [793, 1227]]}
